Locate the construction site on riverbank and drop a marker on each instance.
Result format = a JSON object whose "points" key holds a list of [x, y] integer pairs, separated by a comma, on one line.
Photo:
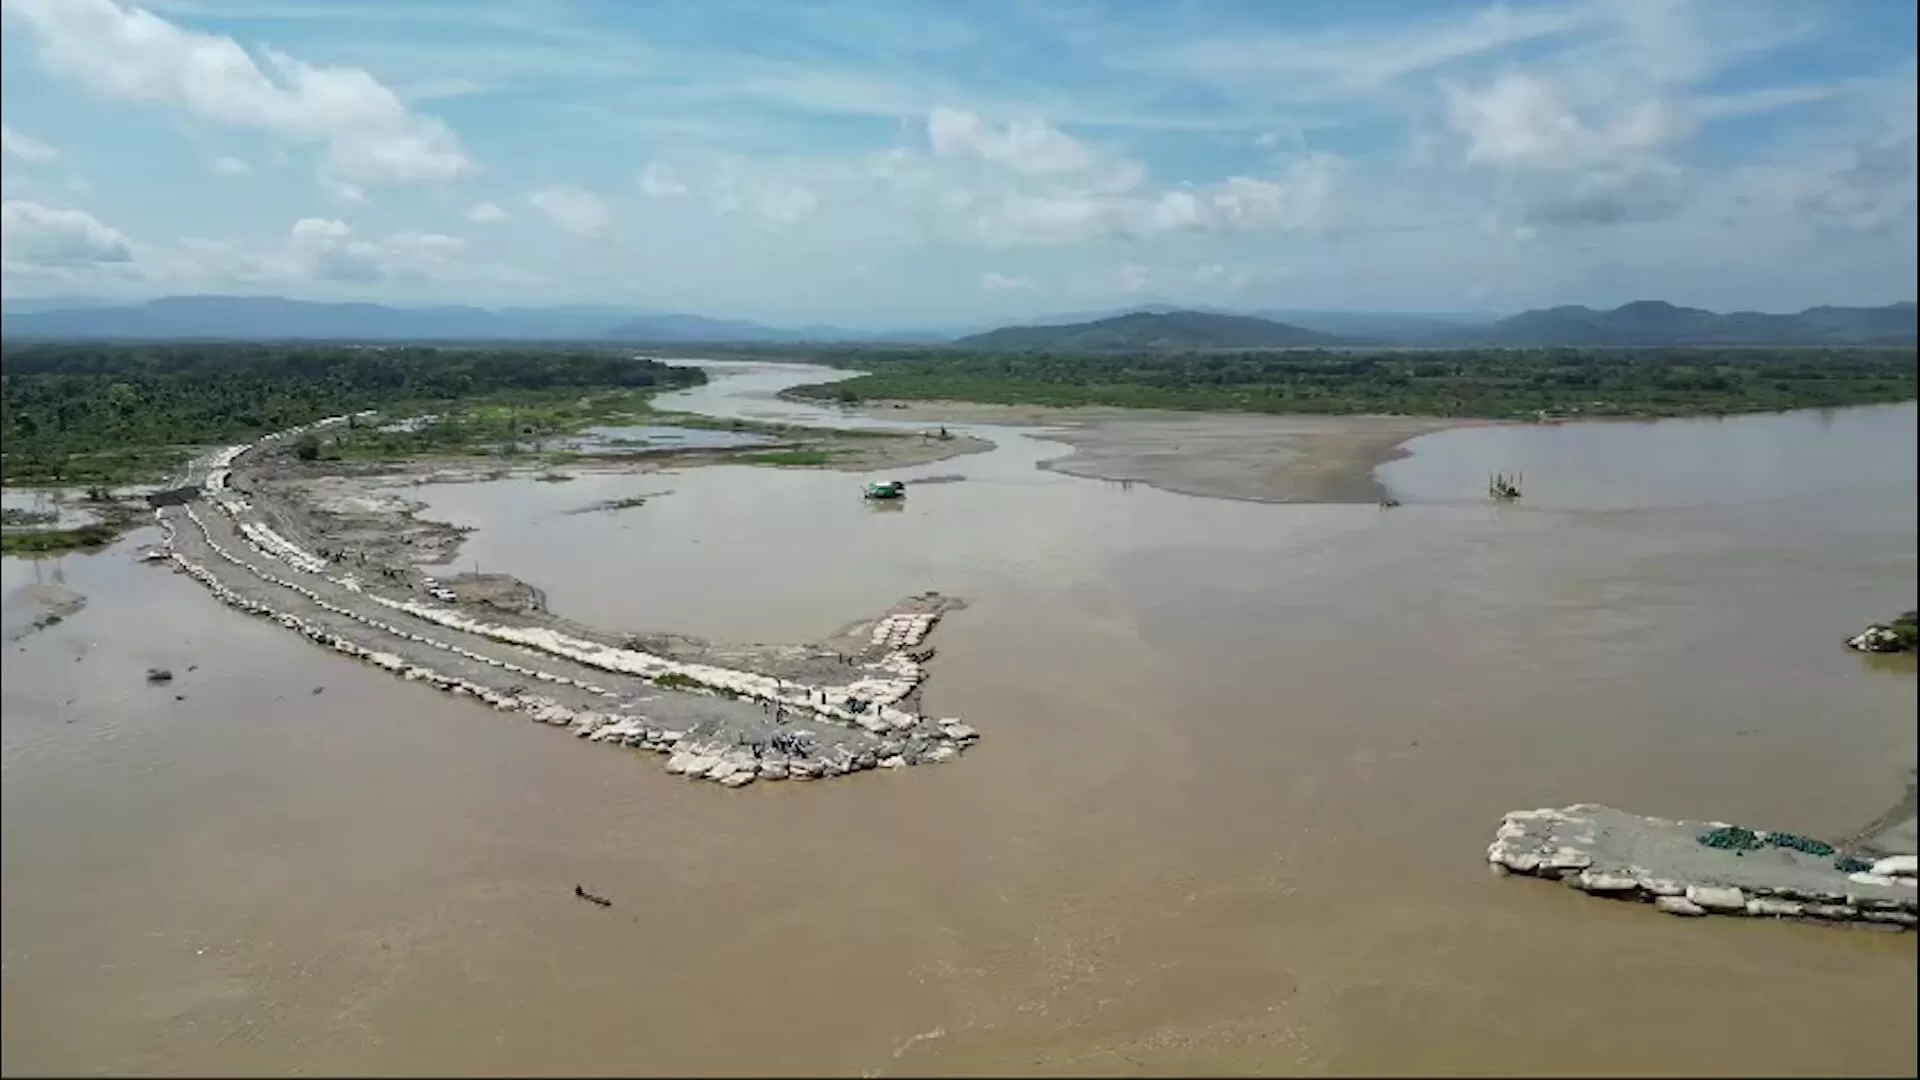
{"points": [[733, 715]]}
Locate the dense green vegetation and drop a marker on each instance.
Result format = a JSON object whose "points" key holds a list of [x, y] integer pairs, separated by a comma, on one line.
{"points": [[1495, 383], [53, 541], [1906, 630], [100, 413]]}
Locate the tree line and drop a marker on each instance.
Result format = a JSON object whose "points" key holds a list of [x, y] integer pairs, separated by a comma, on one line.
{"points": [[1490, 383], [59, 401]]}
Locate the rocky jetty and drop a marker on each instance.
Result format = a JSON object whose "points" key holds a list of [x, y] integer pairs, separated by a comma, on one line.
{"points": [[1705, 868], [756, 727]]}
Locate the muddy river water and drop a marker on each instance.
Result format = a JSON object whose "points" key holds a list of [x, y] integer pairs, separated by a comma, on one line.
{"points": [[1241, 765]]}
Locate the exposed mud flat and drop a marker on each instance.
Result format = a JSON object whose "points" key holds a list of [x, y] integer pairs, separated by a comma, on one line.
{"points": [[1256, 458]]}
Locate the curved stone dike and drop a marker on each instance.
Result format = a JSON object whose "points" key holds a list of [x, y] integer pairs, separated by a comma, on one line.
{"points": [[1622, 856], [880, 734]]}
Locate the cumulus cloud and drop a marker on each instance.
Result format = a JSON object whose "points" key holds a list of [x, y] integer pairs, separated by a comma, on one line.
{"points": [[33, 236], [324, 249], [486, 213], [1026, 145], [573, 209], [1133, 278], [230, 166], [25, 147], [1566, 168], [368, 133], [1027, 183]]}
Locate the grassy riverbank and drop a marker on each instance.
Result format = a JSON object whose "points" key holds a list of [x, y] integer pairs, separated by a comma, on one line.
{"points": [[59, 541], [1479, 383]]}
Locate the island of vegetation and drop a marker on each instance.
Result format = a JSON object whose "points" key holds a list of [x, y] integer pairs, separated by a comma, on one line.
{"points": [[1485, 383]]}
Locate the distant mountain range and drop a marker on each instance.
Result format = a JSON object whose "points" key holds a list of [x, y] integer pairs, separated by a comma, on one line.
{"points": [[1655, 322], [1150, 331], [1643, 323], [1373, 326], [1146, 327], [274, 318]]}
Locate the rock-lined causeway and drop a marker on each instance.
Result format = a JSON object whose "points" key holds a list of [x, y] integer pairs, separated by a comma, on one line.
{"points": [[733, 716], [1684, 868]]}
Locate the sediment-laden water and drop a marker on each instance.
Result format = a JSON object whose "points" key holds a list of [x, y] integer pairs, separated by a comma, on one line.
{"points": [[1232, 818]]}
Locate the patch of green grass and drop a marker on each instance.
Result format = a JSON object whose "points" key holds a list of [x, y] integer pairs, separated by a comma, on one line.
{"points": [[55, 541], [785, 458], [673, 680], [115, 467]]}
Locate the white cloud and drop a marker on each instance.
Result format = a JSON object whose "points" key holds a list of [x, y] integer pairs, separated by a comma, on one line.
{"points": [[322, 249], [486, 213], [230, 166], [33, 236], [25, 147], [369, 134], [661, 182], [1525, 121], [1133, 278], [573, 209], [993, 281], [1567, 168], [1032, 185], [1026, 145]]}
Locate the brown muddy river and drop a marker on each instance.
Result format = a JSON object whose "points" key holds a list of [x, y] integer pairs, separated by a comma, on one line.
{"points": [[1240, 767]]}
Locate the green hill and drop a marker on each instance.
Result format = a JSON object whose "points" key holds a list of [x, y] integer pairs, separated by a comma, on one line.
{"points": [[1151, 332]]}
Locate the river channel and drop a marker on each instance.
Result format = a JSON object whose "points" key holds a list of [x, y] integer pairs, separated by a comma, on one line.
{"points": [[1240, 767]]}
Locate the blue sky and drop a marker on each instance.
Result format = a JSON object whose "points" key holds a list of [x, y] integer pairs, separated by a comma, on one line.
{"points": [[891, 163]]}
